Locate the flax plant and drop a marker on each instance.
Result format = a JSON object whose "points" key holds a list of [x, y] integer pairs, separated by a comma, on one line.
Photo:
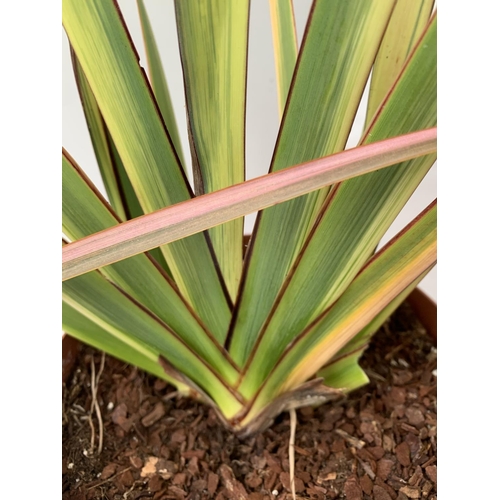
{"points": [[154, 270]]}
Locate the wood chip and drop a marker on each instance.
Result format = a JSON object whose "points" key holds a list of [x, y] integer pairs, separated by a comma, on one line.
{"points": [[417, 477], [302, 451], [199, 485], [352, 489], [388, 489], [155, 483], [234, 488], [367, 468], [212, 483], [426, 488], [155, 415], [384, 468], [377, 452], [366, 484], [108, 471], [119, 415], [380, 493], [431, 472], [410, 492], [253, 479], [179, 479], [179, 436], [177, 492], [415, 416], [403, 454], [285, 481], [126, 479], [154, 465], [256, 496], [193, 453], [331, 476], [409, 428], [136, 462]]}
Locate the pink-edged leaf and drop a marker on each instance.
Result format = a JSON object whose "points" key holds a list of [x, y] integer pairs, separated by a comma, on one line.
{"points": [[196, 215]]}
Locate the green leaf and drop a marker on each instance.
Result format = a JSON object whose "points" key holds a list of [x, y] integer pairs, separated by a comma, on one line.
{"points": [[107, 306], [213, 44], [407, 23], [103, 47], [85, 213], [336, 56], [158, 81], [178, 221], [100, 142], [343, 371], [133, 352], [355, 217], [387, 274], [120, 192], [285, 47]]}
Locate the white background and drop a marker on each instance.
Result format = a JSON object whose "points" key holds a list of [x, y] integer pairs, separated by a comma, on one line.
{"points": [[262, 113]]}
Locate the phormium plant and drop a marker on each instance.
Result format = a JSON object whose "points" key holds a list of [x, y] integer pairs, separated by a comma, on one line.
{"points": [[159, 277]]}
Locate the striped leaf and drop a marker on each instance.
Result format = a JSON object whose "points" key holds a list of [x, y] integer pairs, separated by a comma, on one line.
{"points": [[388, 274], [84, 213], [103, 47], [213, 45], [408, 21], [133, 352], [285, 47], [100, 141], [120, 192], [343, 371], [111, 309], [159, 81], [355, 217], [336, 56]]}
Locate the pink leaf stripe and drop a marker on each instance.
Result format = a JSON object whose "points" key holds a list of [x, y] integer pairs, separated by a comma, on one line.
{"points": [[201, 213]]}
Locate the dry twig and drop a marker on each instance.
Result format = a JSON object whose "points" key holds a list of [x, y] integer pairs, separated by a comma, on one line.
{"points": [[95, 405], [109, 479], [291, 450]]}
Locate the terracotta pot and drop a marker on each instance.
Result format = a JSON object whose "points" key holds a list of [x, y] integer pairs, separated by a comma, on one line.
{"points": [[426, 311]]}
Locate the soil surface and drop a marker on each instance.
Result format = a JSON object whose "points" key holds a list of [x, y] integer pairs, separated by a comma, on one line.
{"points": [[379, 444]]}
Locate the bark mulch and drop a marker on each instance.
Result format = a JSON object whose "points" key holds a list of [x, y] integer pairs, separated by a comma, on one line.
{"points": [[379, 444]]}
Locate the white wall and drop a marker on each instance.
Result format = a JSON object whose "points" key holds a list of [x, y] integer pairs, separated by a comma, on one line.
{"points": [[262, 116]]}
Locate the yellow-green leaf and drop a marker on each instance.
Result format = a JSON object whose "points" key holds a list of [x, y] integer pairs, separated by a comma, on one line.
{"points": [[103, 47], [107, 306], [84, 213], [388, 274], [134, 351], [407, 23], [159, 81], [343, 371], [285, 47], [355, 217], [213, 44], [120, 192], [336, 56], [99, 137]]}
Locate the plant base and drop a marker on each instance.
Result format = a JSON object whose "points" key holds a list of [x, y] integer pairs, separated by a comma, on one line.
{"points": [[380, 443]]}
